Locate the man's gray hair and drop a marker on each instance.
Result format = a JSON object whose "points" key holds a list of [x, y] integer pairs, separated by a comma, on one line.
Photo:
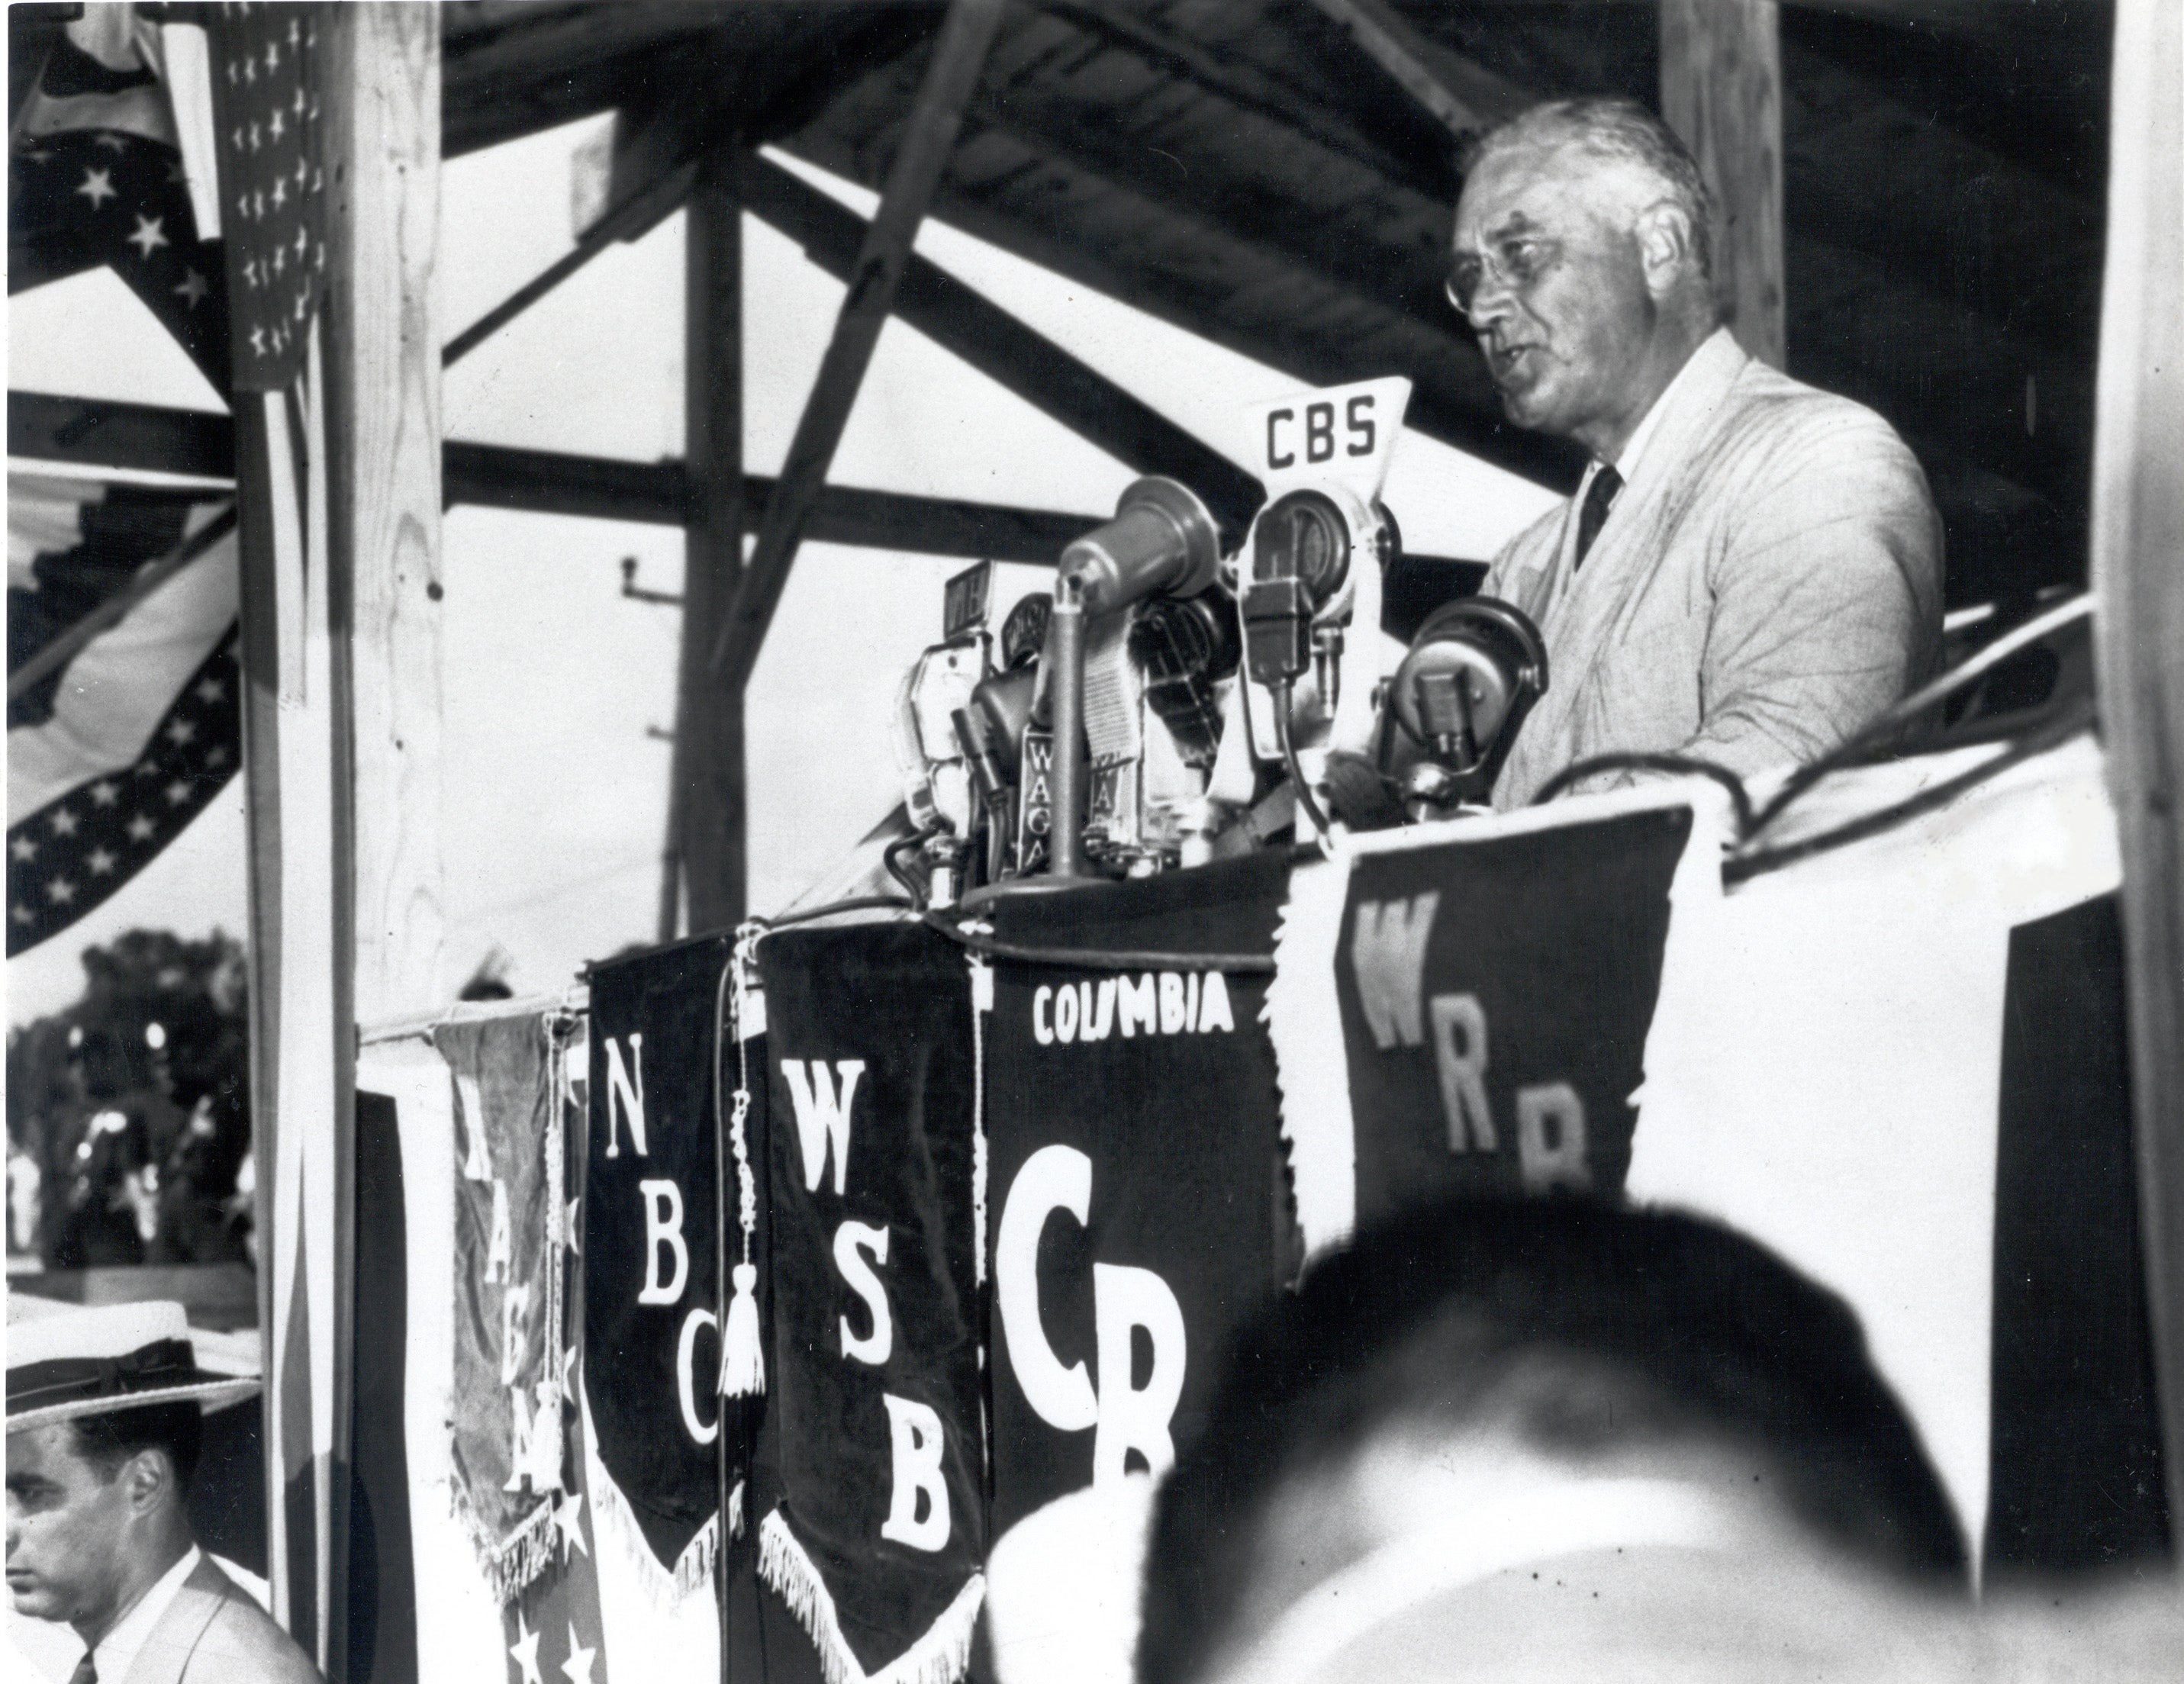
{"points": [[1616, 131]]}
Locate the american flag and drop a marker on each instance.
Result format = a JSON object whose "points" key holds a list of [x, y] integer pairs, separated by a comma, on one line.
{"points": [[113, 751], [272, 185], [71, 855], [113, 754], [100, 194]]}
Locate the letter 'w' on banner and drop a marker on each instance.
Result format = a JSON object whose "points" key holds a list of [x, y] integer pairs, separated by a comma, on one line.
{"points": [[652, 1300], [874, 1493], [1470, 1008]]}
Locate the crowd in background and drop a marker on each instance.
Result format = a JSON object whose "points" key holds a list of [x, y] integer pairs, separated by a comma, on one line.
{"points": [[129, 1113]]}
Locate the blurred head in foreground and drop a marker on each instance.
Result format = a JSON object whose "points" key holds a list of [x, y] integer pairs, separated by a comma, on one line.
{"points": [[1517, 1439]]}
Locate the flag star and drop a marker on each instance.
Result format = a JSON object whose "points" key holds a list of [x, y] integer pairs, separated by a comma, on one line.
{"points": [[111, 143], [178, 792], [318, 180], [258, 205], [254, 136], [181, 731], [234, 134], [141, 828], [280, 258], [105, 792], [193, 288], [65, 822], [250, 71], [216, 755], [257, 341], [569, 1522], [524, 1651], [61, 892], [303, 171], [318, 256], [274, 126], [102, 862], [250, 273], [579, 1665], [148, 238], [295, 31], [303, 304], [211, 690], [303, 244], [301, 103], [280, 192], [98, 187], [21, 913], [22, 848], [232, 74], [272, 58], [35, 154]]}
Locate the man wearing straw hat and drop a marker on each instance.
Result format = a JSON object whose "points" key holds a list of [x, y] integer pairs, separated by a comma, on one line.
{"points": [[104, 1409]]}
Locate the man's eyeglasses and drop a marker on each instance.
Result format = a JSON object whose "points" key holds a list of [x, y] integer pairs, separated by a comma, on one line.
{"points": [[1516, 263]]}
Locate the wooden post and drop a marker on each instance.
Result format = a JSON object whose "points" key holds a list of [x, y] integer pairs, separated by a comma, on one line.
{"points": [[2139, 575], [383, 430], [1721, 92], [706, 801], [929, 136]]}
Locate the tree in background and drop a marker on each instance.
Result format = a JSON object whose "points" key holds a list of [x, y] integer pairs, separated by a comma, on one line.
{"points": [[133, 1105]]}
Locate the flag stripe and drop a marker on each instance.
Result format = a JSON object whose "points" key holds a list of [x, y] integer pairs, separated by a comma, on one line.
{"points": [[118, 692]]}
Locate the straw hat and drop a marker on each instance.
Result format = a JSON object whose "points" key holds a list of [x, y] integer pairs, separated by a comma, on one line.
{"points": [[65, 1361]]}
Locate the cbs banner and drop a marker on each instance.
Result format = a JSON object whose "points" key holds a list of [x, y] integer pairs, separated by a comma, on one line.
{"points": [[1134, 1190]]}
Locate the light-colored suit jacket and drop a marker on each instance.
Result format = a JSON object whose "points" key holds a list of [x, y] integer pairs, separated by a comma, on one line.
{"points": [[1769, 581], [213, 1633]]}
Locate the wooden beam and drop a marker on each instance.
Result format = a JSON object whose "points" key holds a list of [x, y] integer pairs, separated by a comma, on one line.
{"points": [[958, 56], [1233, 79], [144, 439], [381, 428], [959, 320], [46, 426], [1721, 92], [630, 221], [707, 789], [2139, 536], [1463, 98]]}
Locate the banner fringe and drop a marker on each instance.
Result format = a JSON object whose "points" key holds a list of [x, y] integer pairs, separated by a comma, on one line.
{"points": [[511, 1563], [941, 1656], [1312, 1068], [663, 1587]]}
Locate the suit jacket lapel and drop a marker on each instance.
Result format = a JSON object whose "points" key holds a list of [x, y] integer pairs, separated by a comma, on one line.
{"points": [[166, 1653]]}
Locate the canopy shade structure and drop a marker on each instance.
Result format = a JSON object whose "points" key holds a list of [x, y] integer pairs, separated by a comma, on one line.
{"points": [[1253, 172]]}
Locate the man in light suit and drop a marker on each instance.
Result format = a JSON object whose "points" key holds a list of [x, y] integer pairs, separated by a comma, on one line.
{"points": [[1751, 569], [103, 1425]]}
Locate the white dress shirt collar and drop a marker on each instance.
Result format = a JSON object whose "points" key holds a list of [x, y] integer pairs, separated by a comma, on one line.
{"points": [[118, 1649]]}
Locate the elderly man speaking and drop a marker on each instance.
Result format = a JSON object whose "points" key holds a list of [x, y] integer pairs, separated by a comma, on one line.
{"points": [[1751, 569]]}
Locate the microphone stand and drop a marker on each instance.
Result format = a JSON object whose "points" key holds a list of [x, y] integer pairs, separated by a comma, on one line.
{"points": [[1065, 646]]}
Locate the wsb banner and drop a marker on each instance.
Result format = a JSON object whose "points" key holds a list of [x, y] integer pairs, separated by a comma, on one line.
{"points": [[874, 1493]]}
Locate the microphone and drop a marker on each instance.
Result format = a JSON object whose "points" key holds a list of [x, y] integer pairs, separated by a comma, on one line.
{"points": [[1162, 540], [1460, 696]]}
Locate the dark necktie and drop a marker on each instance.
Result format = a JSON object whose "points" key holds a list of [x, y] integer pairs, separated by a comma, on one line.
{"points": [[1598, 496], [85, 1672]]}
